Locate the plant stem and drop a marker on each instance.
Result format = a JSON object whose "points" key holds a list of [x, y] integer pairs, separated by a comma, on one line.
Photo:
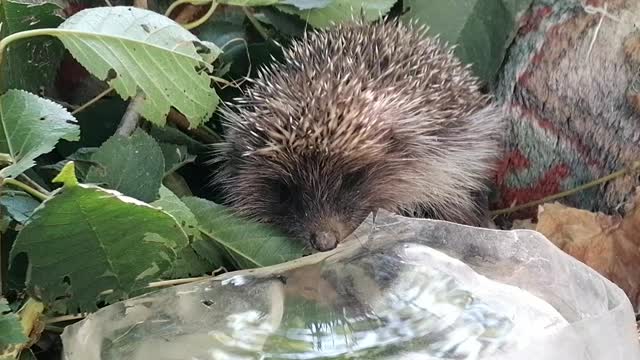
{"points": [[221, 80], [634, 167], [18, 36], [130, 119], [165, 283], [64, 318], [21, 35], [34, 184], [173, 282], [54, 329], [202, 133], [261, 30], [92, 101], [6, 159], [26, 188]]}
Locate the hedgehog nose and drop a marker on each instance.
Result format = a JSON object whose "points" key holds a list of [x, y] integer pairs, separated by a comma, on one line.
{"points": [[324, 240]]}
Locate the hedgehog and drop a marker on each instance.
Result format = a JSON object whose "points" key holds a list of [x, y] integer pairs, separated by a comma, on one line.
{"points": [[355, 118]]}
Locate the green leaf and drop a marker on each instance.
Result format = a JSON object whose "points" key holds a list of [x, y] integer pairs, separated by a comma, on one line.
{"points": [[190, 262], [482, 29], [177, 184], [19, 204], [248, 244], [30, 65], [11, 334], [341, 11], [175, 157], [286, 24], [227, 29], [139, 50], [132, 165], [31, 126], [67, 175], [81, 159], [171, 204], [169, 134], [225, 26], [85, 240]]}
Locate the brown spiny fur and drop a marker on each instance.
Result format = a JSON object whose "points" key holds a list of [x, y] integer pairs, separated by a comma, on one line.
{"points": [[356, 118]]}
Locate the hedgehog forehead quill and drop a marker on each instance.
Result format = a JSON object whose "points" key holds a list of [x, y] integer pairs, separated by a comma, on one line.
{"points": [[357, 118]]}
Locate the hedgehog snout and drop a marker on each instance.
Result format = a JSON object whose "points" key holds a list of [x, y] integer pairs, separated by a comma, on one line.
{"points": [[328, 233], [324, 240]]}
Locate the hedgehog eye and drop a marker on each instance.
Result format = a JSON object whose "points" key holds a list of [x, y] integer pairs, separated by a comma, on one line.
{"points": [[283, 192], [353, 178]]}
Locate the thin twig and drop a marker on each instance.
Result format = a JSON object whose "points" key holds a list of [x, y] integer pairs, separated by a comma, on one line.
{"points": [[595, 33], [151, 285], [65, 318], [201, 133], [165, 283], [54, 329], [62, 103], [131, 117], [173, 282], [261, 30], [221, 80], [634, 167], [26, 188], [92, 101], [591, 10], [34, 184], [233, 82]]}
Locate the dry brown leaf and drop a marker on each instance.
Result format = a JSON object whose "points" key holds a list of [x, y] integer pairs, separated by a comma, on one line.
{"points": [[608, 244]]}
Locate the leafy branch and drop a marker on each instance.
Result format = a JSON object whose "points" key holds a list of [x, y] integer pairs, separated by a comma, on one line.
{"points": [[124, 220]]}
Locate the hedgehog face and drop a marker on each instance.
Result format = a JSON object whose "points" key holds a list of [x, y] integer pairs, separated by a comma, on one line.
{"points": [[321, 213], [312, 200]]}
